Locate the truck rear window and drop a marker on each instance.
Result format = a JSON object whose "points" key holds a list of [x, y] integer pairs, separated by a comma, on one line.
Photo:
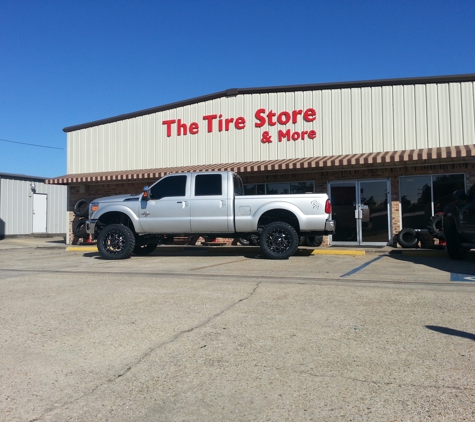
{"points": [[208, 184]]}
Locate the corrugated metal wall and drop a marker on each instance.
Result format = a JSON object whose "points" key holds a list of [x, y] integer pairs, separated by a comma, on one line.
{"points": [[349, 121], [16, 207]]}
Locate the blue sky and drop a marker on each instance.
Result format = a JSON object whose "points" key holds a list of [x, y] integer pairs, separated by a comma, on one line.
{"points": [[65, 63]]}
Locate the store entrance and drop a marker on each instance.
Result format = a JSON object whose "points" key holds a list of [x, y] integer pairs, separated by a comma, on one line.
{"points": [[361, 210]]}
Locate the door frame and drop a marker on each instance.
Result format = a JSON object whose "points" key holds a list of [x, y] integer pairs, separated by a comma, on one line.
{"points": [[359, 211]]}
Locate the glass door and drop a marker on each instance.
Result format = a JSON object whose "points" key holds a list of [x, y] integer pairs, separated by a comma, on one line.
{"points": [[360, 209]]}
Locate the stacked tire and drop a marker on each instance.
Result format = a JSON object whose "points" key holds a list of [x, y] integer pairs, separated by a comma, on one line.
{"points": [[81, 211], [407, 238]]}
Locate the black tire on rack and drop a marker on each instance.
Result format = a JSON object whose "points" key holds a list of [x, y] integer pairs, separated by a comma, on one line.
{"points": [[407, 238], [435, 226], [81, 209], [79, 228]]}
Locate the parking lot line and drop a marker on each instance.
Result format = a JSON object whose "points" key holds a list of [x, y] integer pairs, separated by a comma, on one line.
{"points": [[462, 277], [362, 266]]}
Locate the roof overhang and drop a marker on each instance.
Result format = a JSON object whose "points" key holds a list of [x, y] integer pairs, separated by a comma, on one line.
{"points": [[383, 159]]}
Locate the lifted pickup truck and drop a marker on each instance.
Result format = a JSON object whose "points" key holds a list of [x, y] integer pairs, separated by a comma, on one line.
{"points": [[206, 204], [459, 224]]}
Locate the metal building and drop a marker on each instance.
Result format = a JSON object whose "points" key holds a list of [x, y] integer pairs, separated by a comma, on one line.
{"points": [[29, 206], [388, 152]]}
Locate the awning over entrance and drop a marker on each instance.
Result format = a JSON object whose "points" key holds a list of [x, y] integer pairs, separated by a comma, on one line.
{"points": [[396, 158]]}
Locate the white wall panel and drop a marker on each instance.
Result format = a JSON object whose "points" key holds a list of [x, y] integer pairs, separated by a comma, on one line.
{"points": [[348, 121], [16, 206]]}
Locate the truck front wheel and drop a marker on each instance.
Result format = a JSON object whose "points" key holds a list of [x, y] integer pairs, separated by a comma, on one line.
{"points": [[278, 240], [115, 241]]}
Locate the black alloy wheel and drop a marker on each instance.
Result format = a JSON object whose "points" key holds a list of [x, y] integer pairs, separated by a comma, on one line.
{"points": [[116, 241], [279, 240]]}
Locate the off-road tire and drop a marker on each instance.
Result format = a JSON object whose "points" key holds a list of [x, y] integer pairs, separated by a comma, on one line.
{"points": [[79, 228], [81, 209], [116, 241], [407, 238], [434, 226], [453, 241], [278, 240]]}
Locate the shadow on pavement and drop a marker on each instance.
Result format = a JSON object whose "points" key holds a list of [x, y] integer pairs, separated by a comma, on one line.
{"points": [[451, 332], [440, 261]]}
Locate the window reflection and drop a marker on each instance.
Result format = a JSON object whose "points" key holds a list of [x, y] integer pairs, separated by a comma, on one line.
{"points": [[423, 196]]}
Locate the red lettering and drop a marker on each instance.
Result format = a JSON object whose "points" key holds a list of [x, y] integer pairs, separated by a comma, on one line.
{"points": [[310, 115], [283, 135], [283, 118], [181, 126], [295, 115], [240, 123], [270, 118], [210, 119], [194, 128], [261, 121], [168, 124], [295, 136], [228, 123]]}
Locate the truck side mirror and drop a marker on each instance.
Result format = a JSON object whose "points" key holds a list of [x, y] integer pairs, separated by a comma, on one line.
{"points": [[146, 193]]}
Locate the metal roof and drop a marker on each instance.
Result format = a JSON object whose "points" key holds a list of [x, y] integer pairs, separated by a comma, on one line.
{"points": [[274, 89]]}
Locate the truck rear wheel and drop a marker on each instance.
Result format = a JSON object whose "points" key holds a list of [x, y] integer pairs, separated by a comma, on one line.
{"points": [[278, 240], [116, 241], [453, 241]]}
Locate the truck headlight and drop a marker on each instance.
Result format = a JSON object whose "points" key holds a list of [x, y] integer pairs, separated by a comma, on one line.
{"points": [[93, 207]]}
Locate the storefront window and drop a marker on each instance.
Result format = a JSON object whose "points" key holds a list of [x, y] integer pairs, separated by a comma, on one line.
{"points": [[424, 196], [282, 188]]}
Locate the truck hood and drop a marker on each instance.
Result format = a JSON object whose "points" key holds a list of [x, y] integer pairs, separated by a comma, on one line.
{"points": [[119, 198]]}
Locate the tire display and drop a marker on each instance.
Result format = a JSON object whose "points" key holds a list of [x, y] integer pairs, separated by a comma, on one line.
{"points": [[279, 240], [116, 241], [81, 209], [407, 238], [79, 228], [453, 242], [434, 226]]}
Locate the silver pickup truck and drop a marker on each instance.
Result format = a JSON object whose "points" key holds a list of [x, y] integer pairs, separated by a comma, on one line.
{"points": [[206, 204]]}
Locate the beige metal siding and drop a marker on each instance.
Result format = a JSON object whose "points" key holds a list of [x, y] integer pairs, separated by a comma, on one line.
{"points": [[349, 121]]}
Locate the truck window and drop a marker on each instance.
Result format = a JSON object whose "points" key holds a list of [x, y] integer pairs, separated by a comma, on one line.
{"points": [[238, 185], [169, 186], [208, 184]]}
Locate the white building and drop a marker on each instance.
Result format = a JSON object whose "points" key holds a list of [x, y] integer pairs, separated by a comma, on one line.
{"points": [[29, 206]]}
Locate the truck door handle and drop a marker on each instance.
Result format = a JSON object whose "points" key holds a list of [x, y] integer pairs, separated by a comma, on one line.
{"points": [[145, 213]]}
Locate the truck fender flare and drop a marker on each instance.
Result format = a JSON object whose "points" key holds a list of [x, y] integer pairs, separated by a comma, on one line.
{"points": [[119, 209], [278, 205]]}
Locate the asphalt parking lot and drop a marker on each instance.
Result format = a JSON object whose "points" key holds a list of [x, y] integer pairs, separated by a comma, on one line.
{"points": [[210, 334]]}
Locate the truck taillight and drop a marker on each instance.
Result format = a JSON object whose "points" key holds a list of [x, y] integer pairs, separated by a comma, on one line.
{"points": [[328, 207]]}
